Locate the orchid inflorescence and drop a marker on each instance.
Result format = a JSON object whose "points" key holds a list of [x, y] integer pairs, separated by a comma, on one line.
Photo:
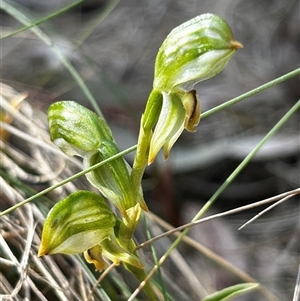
{"points": [[83, 222]]}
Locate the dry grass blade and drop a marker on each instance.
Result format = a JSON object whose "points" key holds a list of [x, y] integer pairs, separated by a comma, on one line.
{"points": [[297, 287], [285, 196], [103, 275], [29, 163], [268, 209]]}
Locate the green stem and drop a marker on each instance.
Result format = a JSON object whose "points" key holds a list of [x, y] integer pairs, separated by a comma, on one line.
{"points": [[140, 274], [149, 119], [259, 89]]}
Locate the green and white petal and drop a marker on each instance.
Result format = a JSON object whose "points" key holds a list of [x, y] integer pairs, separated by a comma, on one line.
{"points": [[169, 126], [76, 224]]}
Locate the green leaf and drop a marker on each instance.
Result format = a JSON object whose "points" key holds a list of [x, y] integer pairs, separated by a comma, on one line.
{"points": [[77, 223], [231, 292]]}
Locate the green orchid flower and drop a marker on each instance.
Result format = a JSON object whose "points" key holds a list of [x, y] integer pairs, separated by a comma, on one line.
{"points": [[194, 51], [83, 216], [84, 223]]}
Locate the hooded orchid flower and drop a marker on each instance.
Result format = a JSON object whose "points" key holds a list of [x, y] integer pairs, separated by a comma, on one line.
{"points": [[194, 51], [84, 223]]}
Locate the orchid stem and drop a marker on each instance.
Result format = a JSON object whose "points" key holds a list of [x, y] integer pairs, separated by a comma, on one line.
{"points": [[148, 121]]}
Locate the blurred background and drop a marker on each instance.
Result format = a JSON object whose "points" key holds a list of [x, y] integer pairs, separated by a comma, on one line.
{"points": [[113, 44]]}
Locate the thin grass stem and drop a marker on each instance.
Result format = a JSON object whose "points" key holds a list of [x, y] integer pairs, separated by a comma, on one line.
{"points": [[154, 254], [43, 19], [265, 210], [67, 180], [250, 156], [94, 22], [64, 60], [257, 90], [281, 197]]}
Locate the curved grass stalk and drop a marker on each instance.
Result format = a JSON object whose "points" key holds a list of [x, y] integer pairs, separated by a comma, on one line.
{"points": [[64, 60], [94, 22], [82, 35], [227, 182], [44, 19]]}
